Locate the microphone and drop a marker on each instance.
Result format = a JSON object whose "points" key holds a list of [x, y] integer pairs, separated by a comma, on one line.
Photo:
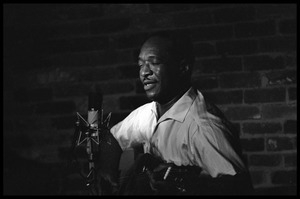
{"points": [[89, 132], [94, 108]]}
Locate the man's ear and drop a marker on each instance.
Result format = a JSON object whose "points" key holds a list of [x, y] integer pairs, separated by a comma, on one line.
{"points": [[184, 67]]}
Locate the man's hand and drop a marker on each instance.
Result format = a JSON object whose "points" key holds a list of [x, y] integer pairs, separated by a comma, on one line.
{"points": [[157, 182]]}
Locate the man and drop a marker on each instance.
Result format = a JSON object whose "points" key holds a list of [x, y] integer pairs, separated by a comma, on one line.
{"points": [[179, 128]]}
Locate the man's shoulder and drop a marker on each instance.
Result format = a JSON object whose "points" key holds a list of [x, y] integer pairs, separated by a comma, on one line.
{"points": [[203, 112], [145, 107]]}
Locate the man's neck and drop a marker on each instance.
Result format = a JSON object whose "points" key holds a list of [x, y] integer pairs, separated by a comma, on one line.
{"points": [[164, 107]]}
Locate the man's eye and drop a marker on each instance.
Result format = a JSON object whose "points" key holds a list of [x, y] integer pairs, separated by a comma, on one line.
{"points": [[155, 63], [140, 64]]}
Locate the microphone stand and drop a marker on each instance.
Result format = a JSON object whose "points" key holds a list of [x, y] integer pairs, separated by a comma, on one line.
{"points": [[89, 132]]}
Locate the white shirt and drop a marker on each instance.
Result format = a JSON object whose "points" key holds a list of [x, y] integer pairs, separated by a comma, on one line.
{"points": [[187, 134]]}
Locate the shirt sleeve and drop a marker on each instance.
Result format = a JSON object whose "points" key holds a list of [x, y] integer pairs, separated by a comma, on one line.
{"points": [[136, 128], [126, 131], [213, 151]]}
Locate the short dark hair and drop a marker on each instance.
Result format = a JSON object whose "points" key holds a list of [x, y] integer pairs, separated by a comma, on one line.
{"points": [[181, 44]]}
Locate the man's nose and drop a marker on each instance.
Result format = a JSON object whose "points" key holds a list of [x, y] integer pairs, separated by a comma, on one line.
{"points": [[145, 70]]}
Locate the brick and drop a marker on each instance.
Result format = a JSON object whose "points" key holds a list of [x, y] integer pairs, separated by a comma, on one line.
{"points": [[279, 143], [237, 127], [276, 190], [132, 102], [276, 10], [290, 160], [60, 107], [78, 59], [125, 9], [19, 140], [290, 60], [290, 126], [261, 128], [269, 160], [78, 44], [187, 19], [115, 87], [110, 103], [203, 83], [69, 89], [277, 44], [21, 94], [130, 41], [68, 29], [237, 47], [135, 54], [125, 56], [28, 14], [27, 121], [204, 49], [224, 97], [80, 152], [77, 12], [64, 122], [200, 6], [254, 144], [91, 58], [288, 26], [28, 51], [110, 25], [95, 74], [224, 64], [242, 113], [255, 29], [129, 71], [257, 177], [166, 8], [292, 92], [33, 95], [264, 95], [41, 94], [235, 14], [240, 80], [263, 62], [282, 77], [212, 33], [279, 111], [149, 22], [284, 177]]}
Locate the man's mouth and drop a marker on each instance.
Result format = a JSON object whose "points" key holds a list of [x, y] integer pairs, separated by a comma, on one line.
{"points": [[149, 85]]}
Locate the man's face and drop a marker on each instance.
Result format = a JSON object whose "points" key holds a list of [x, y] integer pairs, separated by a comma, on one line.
{"points": [[157, 70]]}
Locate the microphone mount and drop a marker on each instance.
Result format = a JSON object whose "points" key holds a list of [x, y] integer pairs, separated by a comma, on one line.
{"points": [[89, 133]]}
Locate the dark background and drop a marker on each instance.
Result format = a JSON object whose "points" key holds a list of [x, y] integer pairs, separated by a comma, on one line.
{"points": [[54, 54]]}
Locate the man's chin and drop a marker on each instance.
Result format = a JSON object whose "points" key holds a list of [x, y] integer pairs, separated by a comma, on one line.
{"points": [[151, 96]]}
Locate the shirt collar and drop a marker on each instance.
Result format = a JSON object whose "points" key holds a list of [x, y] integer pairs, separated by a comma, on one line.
{"points": [[180, 108]]}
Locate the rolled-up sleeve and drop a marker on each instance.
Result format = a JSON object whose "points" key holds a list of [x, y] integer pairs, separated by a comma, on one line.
{"points": [[125, 131], [135, 128]]}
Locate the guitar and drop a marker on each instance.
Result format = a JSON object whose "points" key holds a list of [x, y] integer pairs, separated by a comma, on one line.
{"points": [[151, 176]]}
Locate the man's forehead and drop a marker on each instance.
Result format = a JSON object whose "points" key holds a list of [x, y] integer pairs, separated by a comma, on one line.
{"points": [[155, 47], [152, 52]]}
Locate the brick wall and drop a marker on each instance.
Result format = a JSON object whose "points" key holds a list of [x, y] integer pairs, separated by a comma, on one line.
{"points": [[54, 54]]}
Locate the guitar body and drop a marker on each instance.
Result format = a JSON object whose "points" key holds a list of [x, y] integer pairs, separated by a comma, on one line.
{"points": [[175, 180]]}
